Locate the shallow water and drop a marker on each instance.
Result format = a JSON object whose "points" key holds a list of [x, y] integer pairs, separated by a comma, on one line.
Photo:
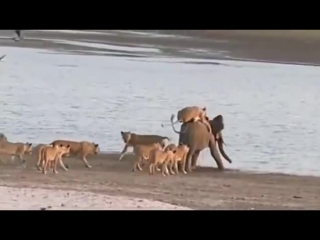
{"points": [[271, 111]]}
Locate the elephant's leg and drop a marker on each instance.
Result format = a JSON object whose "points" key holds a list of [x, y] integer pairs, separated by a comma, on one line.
{"points": [[195, 159], [215, 153], [187, 166]]}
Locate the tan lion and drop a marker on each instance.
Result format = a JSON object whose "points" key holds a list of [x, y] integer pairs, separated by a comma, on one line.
{"points": [[179, 158], [142, 154], [50, 155], [81, 149], [161, 158], [132, 139], [193, 114], [40, 148], [16, 149]]}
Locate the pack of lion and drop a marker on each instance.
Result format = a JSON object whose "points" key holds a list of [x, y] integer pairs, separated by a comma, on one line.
{"points": [[154, 152]]}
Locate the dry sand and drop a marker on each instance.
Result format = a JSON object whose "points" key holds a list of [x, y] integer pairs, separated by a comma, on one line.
{"points": [[45, 199]]}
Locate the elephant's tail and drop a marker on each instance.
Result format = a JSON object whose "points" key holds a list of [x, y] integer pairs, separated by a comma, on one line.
{"points": [[172, 124], [2, 57]]}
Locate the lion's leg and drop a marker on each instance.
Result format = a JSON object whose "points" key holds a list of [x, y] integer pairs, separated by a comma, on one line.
{"points": [[140, 161], [62, 165], [125, 149], [195, 119], [135, 163], [41, 160], [13, 157], [44, 167], [164, 169], [176, 167], [21, 158], [38, 163], [157, 168], [171, 165], [55, 163], [151, 168], [49, 165], [84, 159]]}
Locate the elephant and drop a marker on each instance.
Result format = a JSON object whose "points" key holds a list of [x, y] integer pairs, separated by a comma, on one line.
{"points": [[197, 137]]}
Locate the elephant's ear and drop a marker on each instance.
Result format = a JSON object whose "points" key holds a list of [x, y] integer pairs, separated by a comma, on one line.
{"points": [[217, 124]]}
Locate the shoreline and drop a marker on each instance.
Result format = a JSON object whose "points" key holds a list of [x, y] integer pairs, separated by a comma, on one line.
{"points": [[112, 154]]}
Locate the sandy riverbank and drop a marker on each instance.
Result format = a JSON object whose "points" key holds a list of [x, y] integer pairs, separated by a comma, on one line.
{"points": [[206, 188]]}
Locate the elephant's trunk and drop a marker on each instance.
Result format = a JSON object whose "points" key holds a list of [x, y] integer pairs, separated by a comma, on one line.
{"points": [[220, 145]]}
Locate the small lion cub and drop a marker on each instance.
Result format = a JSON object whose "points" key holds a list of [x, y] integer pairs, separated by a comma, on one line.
{"points": [[142, 154], [160, 157], [180, 156], [51, 155]]}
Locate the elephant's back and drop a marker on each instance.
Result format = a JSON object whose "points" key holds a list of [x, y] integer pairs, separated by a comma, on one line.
{"points": [[193, 132]]}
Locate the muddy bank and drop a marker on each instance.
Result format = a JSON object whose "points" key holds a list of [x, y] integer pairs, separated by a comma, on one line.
{"points": [[206, 188]]}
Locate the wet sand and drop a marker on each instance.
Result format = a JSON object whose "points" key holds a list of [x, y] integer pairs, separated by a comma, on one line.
{"points": [[206, 188]]}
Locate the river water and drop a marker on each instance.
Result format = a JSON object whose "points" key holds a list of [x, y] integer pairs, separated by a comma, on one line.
{"points": [[271, 111]]}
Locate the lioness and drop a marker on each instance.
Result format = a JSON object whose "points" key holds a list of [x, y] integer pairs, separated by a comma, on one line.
{"points": [[142, 154], [180, 156], [194, 114], [51, 155], [16, 149], [81, 149], [162, 158], [132, 139], [40, 148]]}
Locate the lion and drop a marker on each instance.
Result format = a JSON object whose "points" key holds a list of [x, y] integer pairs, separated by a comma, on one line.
{"points": [[180, 157], [81, 149], [132, 139], [16, 149], [162, 158], [142, 154], [50, 155], [194, 114], [41, 147]]}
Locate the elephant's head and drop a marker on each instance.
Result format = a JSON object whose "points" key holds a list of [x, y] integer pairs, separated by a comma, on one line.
{"points": [[217, 126]]}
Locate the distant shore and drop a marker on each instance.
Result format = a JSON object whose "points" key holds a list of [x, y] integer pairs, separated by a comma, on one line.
{"points": [[289, 47]]}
